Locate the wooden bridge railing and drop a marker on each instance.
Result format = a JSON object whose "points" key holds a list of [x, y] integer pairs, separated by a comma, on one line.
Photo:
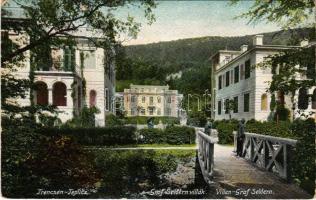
{"points": [[206, 152], [268, 152]]}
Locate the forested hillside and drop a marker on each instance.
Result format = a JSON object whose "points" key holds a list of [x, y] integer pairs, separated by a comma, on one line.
{"points": [[151, 63], [184, 53]]}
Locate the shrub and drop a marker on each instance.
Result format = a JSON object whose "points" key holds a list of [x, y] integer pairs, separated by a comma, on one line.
{"points": [[97, 135], [143, 120], [171, 135], [152, 135], [282, 113], [280, 129], [225, 131], [303, 168], [180, 135], [112, 120]]}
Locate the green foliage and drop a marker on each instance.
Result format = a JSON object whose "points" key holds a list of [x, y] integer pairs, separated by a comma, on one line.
{"points": [[112, 120], [171, 135], [280, 129], [197, 119], [143, 120], [96, 135], [128, 172], [303, 168], [282, 113], [86, 118], [288, 14], [43, 20], [272, 102], [225, 131]]}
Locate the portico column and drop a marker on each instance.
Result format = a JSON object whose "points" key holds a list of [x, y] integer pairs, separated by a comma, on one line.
{"points": [[70, 103], [50, 96]]}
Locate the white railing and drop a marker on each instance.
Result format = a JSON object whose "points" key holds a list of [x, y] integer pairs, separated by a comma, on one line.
{"points": [[268, 152], [206, 153]]}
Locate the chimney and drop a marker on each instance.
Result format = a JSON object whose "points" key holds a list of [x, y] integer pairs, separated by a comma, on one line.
{"points": [[258, 40], [244, 48]]}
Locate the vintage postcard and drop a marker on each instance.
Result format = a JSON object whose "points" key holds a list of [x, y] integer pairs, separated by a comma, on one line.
{"points": [[166, 99]]}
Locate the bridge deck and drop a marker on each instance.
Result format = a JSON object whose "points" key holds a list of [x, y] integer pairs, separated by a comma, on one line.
{"points": [[236, 177]]}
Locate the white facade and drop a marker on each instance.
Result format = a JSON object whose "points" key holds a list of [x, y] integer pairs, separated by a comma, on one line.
{"points": [[151, 100], [236, 79], [89, 82]]}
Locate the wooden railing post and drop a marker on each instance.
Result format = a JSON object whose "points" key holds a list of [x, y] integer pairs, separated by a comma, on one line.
{"points": [[268, 150]]}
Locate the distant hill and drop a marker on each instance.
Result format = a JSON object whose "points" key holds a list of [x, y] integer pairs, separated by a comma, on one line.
{"points": [[186, 53]]}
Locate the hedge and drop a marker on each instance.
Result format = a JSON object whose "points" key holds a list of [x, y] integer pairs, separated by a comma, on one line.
{"points": [[97, 135], [171, 135], [143, 120]]}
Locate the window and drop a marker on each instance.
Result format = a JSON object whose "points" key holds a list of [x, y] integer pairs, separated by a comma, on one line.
{"points": [[236, 74], [158, 111], [132, 112], [59, 94], [169, 100], [151, 111], [159, 99], [41, 94], [219, 107], [143, 99], [227, 106], [264, 102], [246, 102], [231, 76], [227, 79], [314, 100], [151, 100], [87, 59], [236, 104], [133, 99], [220, 82], [247, 69], [142, 111], [93, 98], [302, 99], [69, 58], [107, 99]]}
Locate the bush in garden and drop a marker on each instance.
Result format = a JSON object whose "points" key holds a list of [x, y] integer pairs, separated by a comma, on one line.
{"points": [[303, 168], [97, 135], [143, 120], [180, 135], [225, 131], [152, 135], [112, 120], [171, 135]]}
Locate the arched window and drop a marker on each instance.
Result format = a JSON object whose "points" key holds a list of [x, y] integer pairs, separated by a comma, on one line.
{"points": [[314, 100], [59, 94], [41, 94], [302, 99], [264, 102], [93, 98]]}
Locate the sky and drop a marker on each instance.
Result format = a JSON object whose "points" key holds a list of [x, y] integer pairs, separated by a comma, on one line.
{"points": [[189, 19]]}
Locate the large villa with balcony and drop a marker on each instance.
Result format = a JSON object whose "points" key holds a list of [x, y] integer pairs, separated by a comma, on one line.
{"points": [[69, 77], [152, 100], [235, 80]]}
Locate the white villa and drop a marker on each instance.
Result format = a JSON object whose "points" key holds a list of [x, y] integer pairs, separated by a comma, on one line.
{"points": [[70, 77], [152, 100], [234, 79]]}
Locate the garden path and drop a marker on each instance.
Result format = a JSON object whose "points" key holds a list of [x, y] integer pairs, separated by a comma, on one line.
{"points": [[234, 177]]}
